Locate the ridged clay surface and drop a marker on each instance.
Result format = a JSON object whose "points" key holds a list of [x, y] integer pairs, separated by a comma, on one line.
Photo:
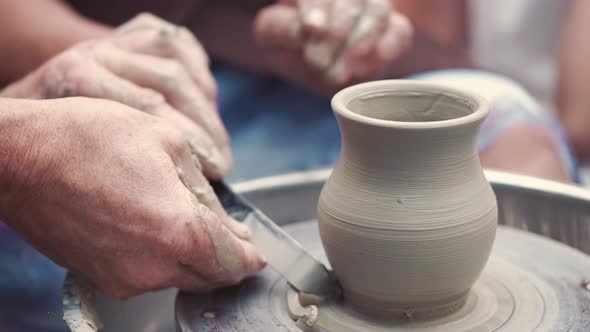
{"points": [[407, 218]]}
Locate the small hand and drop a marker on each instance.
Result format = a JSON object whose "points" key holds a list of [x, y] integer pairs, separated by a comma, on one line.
{"points": [[332, 42]]}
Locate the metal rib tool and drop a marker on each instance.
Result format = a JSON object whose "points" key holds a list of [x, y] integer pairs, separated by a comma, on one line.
{"points": [[303, 271]]}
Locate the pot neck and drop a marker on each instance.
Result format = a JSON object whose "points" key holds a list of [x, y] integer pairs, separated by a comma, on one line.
{"points": [[409, 152]]}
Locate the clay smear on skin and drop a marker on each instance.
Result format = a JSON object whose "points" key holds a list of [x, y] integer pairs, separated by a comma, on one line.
{"points": [[224, 244], [225, 249], [407, 218]]}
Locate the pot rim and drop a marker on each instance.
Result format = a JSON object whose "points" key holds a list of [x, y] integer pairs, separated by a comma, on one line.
{"points": [[346, 95]]}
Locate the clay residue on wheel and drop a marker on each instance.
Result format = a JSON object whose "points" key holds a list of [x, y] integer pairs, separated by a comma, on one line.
{"points": [[78, 305]]}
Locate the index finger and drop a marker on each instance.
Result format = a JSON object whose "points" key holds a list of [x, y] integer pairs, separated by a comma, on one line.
{"points": [[220, 258], [189, 172], [232, 257], [314, 15]]}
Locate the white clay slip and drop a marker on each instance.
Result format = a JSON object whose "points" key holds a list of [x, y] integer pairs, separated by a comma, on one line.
{"points": [[407, 218]]}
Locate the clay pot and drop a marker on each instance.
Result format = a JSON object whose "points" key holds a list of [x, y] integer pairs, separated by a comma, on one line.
{"points": [[407, 217]]}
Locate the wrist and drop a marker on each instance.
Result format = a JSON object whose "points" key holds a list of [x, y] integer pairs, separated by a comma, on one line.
{"points": [[20, 164]]}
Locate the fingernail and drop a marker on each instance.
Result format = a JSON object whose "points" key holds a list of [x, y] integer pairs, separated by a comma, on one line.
{"points": [[315, 18], [245, 231], [255, 261], [261, 261], [239, 229]]}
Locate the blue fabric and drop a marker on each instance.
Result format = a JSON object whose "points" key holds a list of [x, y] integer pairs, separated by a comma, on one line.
{"points": [[30, 286], [275, 127]]}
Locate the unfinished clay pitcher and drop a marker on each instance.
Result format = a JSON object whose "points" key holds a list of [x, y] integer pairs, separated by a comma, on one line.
{"points": [[407, 218]]}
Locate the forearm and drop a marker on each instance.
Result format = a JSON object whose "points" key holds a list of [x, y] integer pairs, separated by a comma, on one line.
{"points": [[31, 153], [231, 38], [34, 31], [17, 120]]}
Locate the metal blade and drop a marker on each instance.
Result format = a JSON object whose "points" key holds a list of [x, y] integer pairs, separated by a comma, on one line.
{"points": [[303, 271]]}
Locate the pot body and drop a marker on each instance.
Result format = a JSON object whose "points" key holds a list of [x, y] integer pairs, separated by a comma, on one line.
{"points": [[407, 218]]}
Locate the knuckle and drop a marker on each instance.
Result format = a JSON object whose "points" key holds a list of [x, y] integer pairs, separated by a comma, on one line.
{"points": [[175, 142], [209, 88], [204, 215], [167, 32], [184, 32], [213, 90], [66, 59], [150, 100], [178, 214], [145, 17], [178, 71], [174, 74], [62, 75], [143, 20], [168, 140], [203, 241]]}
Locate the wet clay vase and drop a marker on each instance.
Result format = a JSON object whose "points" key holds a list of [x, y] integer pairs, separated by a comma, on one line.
{"points": [[407, 218]]}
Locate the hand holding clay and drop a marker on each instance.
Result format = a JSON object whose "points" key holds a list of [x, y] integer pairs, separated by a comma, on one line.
{"points": [[148, 64], [333, 42], [117, 196]]}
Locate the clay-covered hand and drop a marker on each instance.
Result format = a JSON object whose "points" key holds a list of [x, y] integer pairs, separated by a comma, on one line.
{"points": [[148, 64], [117, 196], [328, 43]]}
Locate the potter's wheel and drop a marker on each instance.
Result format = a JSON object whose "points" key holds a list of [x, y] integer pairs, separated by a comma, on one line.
{"points": [[535, 211], [530, 283]]}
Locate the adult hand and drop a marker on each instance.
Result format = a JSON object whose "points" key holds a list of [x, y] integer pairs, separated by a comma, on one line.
{"points": [[117, 195], [328, 43], [148, 64]]}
